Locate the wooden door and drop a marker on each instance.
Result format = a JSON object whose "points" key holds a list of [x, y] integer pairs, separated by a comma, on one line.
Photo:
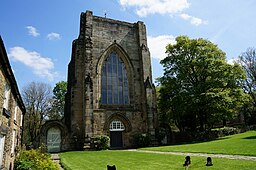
{"points": [[116, 139], [53, 140]]}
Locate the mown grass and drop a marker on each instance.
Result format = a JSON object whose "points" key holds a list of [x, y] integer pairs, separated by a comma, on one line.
{"points": [[238, 144], [127, 160]]}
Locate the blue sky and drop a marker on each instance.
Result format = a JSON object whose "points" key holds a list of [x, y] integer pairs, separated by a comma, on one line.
{"points": [[38, 34]]}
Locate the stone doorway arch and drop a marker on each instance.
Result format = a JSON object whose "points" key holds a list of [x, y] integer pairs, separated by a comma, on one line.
{"points": [[123, 129]]}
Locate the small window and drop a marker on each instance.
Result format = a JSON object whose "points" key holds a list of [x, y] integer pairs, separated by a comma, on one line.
{"points": [[2, 141], [6, 95], [15, 111], [13, 141], [21, 119], [116, 125]]}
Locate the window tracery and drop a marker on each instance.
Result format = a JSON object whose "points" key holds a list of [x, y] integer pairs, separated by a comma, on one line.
{"points": [[114, 82]]}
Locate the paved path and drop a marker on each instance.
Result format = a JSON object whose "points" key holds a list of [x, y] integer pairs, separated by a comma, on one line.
{"points": [[56, 159], [241, 157]]}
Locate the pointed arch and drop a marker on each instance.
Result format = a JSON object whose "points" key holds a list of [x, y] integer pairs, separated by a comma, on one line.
{"points": [[122, 54], [120, 117], [115, 76], [54, 123]]}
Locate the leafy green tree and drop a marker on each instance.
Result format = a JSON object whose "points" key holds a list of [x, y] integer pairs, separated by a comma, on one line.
{"points": [[198, 88], [58, 102]]}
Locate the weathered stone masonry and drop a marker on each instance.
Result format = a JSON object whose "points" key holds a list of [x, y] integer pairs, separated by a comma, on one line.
{"points": [[86, 116], [12, 110], [110, 89]]}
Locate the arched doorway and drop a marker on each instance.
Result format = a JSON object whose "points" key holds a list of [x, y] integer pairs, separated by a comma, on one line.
{"points": [[53, 139], [116, 134]]}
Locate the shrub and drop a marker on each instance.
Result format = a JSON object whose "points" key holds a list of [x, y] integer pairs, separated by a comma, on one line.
{"points": [[34, 160], [225, 131], [101, 142], [142, 140], [161, 134], [184, 137]]}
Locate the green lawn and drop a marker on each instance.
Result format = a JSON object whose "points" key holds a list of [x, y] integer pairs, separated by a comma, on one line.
{"points": [[125, 160], [239, 144], [242, 144]]}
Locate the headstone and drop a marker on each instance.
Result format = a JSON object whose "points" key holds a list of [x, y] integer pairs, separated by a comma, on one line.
{"points": [[111, 167]]}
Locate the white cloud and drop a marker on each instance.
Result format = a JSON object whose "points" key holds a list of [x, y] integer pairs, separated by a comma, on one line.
{"points": [[193, 20], [157, 45], [53, 36], [32, 31], [146, 7], [40, 66], [233, 61]]}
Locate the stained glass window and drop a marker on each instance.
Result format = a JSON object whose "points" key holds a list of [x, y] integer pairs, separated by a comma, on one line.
{"points": [[114, 83]]}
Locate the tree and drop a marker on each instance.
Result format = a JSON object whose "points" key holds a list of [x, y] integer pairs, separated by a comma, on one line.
{"points": [[198, 88], [248, 62], [58, 104], [37, 99]]}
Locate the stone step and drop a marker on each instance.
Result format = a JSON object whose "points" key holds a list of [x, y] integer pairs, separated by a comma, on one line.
{"points": [[56, 159]]}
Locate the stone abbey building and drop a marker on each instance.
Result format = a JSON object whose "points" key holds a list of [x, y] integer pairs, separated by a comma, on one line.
{"points": [[110, 89]]}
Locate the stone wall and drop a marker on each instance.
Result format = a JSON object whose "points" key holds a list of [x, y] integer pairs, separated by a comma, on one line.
{"points": [[11, 125], [10, 117]]}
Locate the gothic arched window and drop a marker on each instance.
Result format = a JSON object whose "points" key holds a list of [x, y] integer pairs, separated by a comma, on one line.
{"points": [[114, 83]]}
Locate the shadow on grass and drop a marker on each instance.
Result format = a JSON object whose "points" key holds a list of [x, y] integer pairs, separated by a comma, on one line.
{"points": [[250, 137], [199, 141]]}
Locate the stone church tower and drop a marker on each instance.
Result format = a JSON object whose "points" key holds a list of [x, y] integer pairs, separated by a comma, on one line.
{"points": [[110, 89]]}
